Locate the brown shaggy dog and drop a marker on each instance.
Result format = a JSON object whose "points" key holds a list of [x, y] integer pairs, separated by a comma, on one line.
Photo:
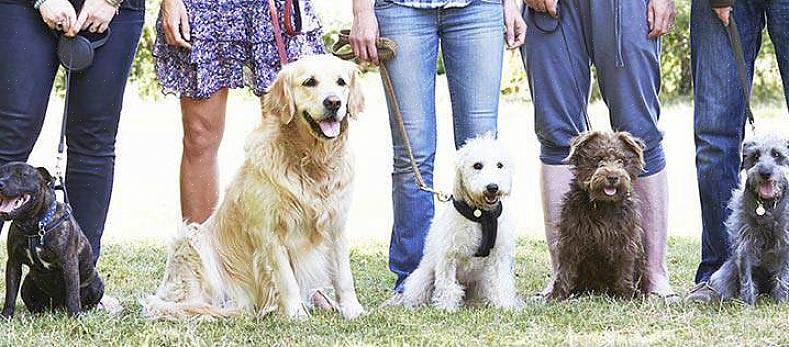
{"points": [[600, 239]]}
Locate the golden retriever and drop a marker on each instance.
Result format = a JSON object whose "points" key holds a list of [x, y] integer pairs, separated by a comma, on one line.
{"points": [[279, 232]]}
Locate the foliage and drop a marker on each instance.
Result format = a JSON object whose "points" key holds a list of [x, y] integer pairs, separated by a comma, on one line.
{"points": [[675, 61]]}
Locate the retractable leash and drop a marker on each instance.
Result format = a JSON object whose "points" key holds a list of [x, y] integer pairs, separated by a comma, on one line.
{"points": [[742, 72], [387, 49], [75, 55]]}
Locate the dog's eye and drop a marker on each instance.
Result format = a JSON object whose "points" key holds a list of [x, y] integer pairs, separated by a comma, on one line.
{"points": [[776, 155], [620, 161], [310, 82], [477, 166], [341, 82], [500, 165]]}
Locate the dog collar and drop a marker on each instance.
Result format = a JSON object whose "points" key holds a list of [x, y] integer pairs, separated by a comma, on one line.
{"points": [[489, 221]]}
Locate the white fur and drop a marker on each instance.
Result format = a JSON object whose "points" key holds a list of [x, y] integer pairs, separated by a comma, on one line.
{"points": [[449, 273]]}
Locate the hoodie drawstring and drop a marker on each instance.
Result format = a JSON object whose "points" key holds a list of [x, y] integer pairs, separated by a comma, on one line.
{"points": [[617, 6]]}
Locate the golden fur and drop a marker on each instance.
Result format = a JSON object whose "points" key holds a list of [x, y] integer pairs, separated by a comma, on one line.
{"points": [[279, 232]]}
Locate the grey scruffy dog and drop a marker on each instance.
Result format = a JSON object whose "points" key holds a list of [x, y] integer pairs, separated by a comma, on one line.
{"points": [[45, 237], [758, 227]]}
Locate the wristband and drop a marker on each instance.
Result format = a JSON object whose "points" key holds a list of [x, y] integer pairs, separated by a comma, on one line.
{"points": [[114, 3]]}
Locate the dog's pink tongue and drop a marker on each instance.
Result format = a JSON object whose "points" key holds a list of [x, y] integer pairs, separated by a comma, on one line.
{"points": [[330, 128], [610, 191], [766, 190], [7, 205]]}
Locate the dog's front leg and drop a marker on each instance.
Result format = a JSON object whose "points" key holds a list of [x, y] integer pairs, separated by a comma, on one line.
{"points": [[448, 293], [500, 287], [286, 285], [350, 307], [71, 281], [744, 268], [13, 275], [780, 286]]}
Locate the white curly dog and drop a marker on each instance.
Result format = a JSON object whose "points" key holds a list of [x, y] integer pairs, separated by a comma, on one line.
{"points": [[469, 249]]}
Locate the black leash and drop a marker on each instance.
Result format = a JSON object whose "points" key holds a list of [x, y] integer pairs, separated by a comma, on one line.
{"points": [[742, 72], [60, 182]]}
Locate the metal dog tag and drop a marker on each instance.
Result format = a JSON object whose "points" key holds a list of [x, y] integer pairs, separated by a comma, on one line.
{"points": [[760, 211]]}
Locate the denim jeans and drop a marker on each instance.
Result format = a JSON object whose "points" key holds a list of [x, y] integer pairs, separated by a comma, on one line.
{"points": [[28, 62], [719, 109], [611, 35], [472, 44]]}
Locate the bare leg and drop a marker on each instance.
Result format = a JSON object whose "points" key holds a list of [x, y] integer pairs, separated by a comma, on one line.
{"points": [[554, 183], [204, 124], [653, 193]]}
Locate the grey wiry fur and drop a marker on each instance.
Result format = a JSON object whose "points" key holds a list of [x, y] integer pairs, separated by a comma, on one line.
{"points": [[760, 243]]}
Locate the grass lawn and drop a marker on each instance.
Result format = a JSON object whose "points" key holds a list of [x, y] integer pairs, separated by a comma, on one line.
{"points": [[133, 270]]}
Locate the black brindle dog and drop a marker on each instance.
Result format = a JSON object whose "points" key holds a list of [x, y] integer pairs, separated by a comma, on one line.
{"points": [[45, 237]]}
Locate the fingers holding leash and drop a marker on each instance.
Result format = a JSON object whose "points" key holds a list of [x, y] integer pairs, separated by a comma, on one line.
{"points": [[364, 34]]}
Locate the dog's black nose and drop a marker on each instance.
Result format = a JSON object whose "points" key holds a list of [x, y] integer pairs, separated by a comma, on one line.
{"points": [[613, 179], [332, 103], [492, 188], [766, 174]]}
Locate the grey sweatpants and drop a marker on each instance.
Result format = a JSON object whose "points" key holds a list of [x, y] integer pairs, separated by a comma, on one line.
{"points": [[558, 54]]}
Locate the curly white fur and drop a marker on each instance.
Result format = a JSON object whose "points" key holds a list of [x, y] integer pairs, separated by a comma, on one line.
{"points": [[279, 231], [449, 273]]}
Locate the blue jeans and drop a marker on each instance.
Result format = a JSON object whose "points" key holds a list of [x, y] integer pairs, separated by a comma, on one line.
{"points": [[28, 62], [719, 110], [612, 35], [472, 44]]}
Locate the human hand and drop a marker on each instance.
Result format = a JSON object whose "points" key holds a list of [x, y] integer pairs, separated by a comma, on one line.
{"points": [[175, 23], [95, 16], [549, 6], [723, 14], [660, 16], [514, 25], [58, 15], [364, 33]]}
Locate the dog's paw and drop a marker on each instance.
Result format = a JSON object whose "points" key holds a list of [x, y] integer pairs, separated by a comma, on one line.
{"points": [[7, 316], [352, 310], [447, 305], [748, 297], [297, 312]]}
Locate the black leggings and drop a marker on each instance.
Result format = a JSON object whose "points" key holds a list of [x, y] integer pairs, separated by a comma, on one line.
{"points": [[28, 63]]}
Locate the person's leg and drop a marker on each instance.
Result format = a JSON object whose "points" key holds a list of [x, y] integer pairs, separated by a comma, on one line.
{"points": [[95, 102], [628, 66], [557, 64], [413, 76], [719, 120], [472, 43], [204, 125], [778, 27], [27, 69]]}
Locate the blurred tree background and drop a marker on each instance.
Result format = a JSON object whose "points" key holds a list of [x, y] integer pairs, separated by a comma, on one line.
{"points": [[675, 65]]}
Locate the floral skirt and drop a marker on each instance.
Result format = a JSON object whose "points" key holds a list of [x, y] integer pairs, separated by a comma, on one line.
{"points": [[233, 46]]}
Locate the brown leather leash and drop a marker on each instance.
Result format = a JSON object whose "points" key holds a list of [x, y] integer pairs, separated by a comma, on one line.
{"points": [[289, 29], [387, 49]]}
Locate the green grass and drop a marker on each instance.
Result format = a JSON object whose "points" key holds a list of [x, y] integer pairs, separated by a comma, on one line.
{"points": [[132, 270]]}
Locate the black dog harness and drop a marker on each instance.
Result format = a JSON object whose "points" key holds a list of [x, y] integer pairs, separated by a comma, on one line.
{"points": [[489, 221], [45, 225]]}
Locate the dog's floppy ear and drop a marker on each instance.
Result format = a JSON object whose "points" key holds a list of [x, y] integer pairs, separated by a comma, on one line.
{"points": [[635, 145], [355, 97], [46, 176], [747, 150], [278, 100], [578, 142]]}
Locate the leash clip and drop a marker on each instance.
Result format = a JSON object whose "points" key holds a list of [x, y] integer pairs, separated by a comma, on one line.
{"points": [[41, 232], [440, 196]]}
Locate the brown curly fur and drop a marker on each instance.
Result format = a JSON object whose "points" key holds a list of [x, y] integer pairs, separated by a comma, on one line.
{"points": [[600, 240]]}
